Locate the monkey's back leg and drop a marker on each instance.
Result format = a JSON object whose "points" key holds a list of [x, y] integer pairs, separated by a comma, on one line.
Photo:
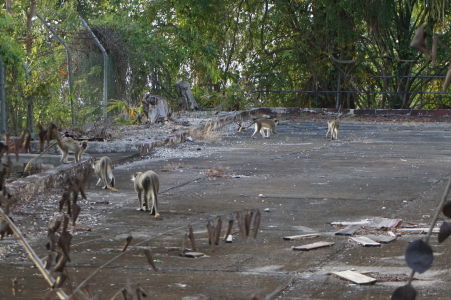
{"points": [[257, 129]]}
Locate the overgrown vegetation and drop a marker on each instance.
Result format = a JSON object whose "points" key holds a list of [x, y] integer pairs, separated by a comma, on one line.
{"points": [[235, 54]]}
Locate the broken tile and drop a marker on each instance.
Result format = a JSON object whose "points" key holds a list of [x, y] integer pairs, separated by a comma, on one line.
{"points": [[355, 277], [418, 230], [379, 223], [313, 246], [364, 241], [348, 230], [384, 239], [299, 237], [193, 254], [349, 223]]}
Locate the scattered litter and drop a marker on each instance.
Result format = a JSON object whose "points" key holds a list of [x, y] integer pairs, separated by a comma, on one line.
{"points": [[301, 236], [189, 139], [349, 230], [388, 277], [173, 248], [106, 202], [347, 223], [379, 223], [260, 195], [384, 239], [313, 246], [355, 277], [365, 241], [418, 230], [376, 222], [229, 238], [193, 254], [267, 210]]}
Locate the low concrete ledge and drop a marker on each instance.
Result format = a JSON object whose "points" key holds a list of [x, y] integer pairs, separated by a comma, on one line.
{"points": [[30, 186], [23, 189]]}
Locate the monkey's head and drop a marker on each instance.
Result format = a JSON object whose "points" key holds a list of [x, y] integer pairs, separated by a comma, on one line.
{"points": [[84, 145], [276, 121], [135, 176]]}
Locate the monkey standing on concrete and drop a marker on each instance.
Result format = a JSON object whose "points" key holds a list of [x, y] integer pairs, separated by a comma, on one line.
{"points": [[103, 168], [147, 185]]}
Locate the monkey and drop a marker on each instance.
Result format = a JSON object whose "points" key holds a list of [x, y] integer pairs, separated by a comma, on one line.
{"points": [[262, 125], [69, 146], [103, 168], [419, 41], [44, 135], [447, 81], [3, 149], [147, 185], [332, 128]]}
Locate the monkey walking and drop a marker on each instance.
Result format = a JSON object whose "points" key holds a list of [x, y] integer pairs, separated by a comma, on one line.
{"points": [[69, 146], [103, 168], [147, 185], [262, 125], [332, 128]]}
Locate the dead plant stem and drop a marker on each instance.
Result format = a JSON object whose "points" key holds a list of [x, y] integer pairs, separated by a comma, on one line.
{"points": [[33, 256], [434, 220]]}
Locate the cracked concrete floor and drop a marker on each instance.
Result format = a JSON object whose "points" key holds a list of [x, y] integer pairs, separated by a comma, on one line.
{"points": [[299, 181]]}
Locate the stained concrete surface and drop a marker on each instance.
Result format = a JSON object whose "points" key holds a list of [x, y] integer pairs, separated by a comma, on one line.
{"points": [[303, 181]]}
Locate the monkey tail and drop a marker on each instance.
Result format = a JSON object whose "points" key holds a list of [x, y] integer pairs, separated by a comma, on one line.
{"points": [[104, 176]]}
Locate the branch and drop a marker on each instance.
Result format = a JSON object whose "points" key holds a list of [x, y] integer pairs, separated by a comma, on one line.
{"points": [[33, 256], [434, 220]]}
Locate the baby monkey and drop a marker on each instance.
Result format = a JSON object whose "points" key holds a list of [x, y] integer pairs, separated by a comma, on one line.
{"points": [[262, 125], [103, 168], [147, 185], [332, 128]]}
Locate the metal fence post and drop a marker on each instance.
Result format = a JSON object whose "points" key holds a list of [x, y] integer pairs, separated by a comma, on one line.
{"points": [[2, 98], [105, 68], [69, 65]]}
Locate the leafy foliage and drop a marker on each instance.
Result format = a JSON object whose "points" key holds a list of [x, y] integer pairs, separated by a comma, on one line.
{"points": [[234, 53]]}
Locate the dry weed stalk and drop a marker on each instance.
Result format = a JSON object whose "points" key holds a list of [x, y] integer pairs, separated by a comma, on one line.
{"points": [[172, 167], [216, 172], [209, 133]]}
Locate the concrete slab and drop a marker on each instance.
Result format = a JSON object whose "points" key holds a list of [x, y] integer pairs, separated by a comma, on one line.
{"points": [[375, 170]]}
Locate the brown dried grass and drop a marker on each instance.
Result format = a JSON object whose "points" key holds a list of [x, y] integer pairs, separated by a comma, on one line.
{"points": [[172, 167], [216, 172]]}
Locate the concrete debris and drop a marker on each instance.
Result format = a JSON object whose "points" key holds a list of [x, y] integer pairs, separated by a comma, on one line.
{"points": [[355, 277], [418, 230], [348, 230], [384, 223], [301, 236], [384, 239], [347, 223], [313, 246], [193, 254], [365, 241], [376, 222]]}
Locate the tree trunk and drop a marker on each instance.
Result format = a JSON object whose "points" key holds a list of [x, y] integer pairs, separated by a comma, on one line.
{"points": [[187, 100], [28, 47]]}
